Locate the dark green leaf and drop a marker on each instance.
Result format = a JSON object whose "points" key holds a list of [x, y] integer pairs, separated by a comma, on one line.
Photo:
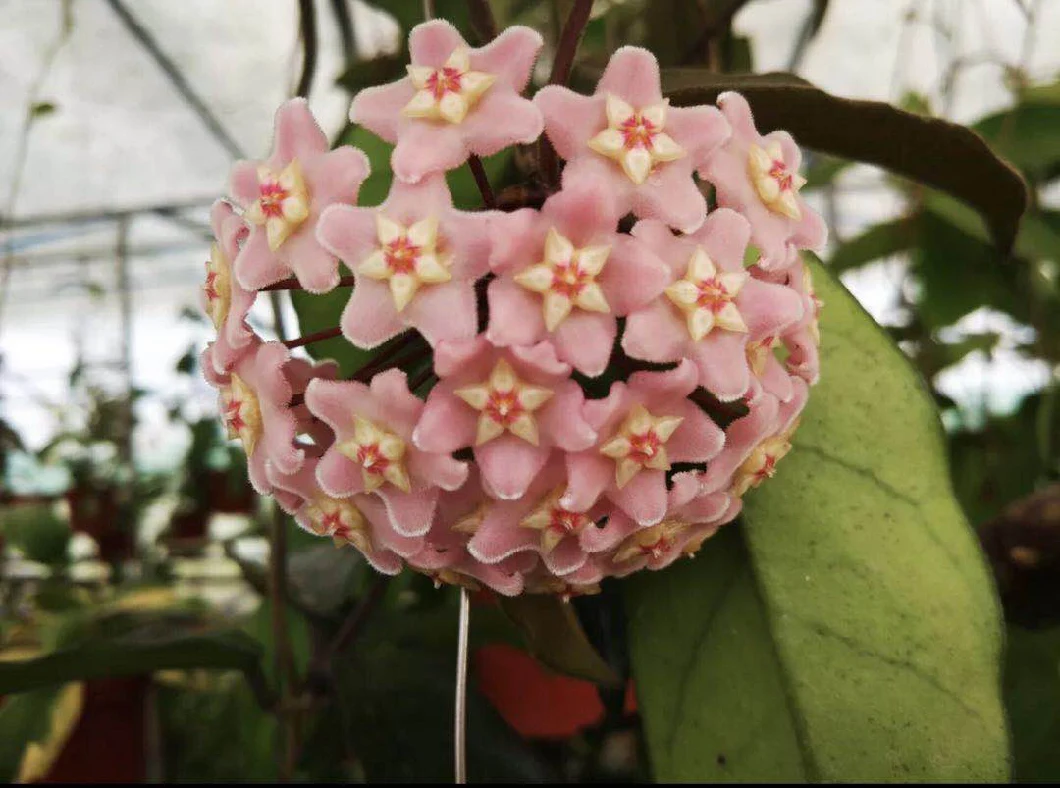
{"points": [[1028, 134], [555, 637], [135, 646], [928, 150], [847, 629], [1032, 697], [880, 240]]}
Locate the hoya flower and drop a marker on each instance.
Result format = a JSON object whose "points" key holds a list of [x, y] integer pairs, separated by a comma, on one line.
{"points": [[756, 443], [456, 100], [804, 339], [360, 520], [373, 451], [564, 275], [512, 406], [255, 406], [645, 426], [628, 139], [537, 522], [415, 260], [226, 302], [691, 518], [759, 177], [283, 196], [712, 309], [445, 557]]}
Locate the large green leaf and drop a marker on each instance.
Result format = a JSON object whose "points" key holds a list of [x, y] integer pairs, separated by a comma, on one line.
{"points": [[928, 150], [125, 644], [847, 629]]}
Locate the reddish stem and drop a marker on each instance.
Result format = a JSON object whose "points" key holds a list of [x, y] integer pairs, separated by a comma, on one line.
{"points": [[317, 336], [482, 181], [561, 68]]}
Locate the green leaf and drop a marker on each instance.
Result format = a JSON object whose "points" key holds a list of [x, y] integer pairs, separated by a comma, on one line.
{"points": [[847, 629], [1032, 697], [130, 645], [880, 240], [934, 152], [554, 635], [1027, 133]]}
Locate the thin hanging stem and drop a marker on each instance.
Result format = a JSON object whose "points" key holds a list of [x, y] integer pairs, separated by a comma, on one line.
{"points": [[292, 284], [561, 68], [307, 22], [482, 181], [316, 336], [460, 717]]}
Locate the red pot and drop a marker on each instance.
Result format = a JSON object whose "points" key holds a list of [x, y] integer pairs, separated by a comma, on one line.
{"points": [[229, 495]]}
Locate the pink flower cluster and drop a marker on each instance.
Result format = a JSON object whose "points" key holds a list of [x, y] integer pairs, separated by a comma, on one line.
{"points": [[571, 424]]}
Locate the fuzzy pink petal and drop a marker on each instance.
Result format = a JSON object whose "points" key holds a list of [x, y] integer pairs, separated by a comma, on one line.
{"points": [[741, 437], [561, 419], [257, 474], [316, 268], [699, 130], [583, 212], [601, 539], [336, 402], [671, 195], [633, 74], [633, 275], [410, 513], [565, 558], [698, 439], [655, 333], [468, 236], [348, 232], [500, 535], [571, 119], [510, 56], [445, 311], [724, 236], [517, 240], [243, 182], [453, 357], [515, 314], [370, 318], [431, 43], [539, 359], [643, 498], [378, 109], [257, 266], [424, 148], [297, 133], [437, 469], [501, 120], [584, 340], [338, 476], [588, 475], [509, 465], [722, 360], [397, 406], [407, 203], [446, 424], [768, 309], [676, 383], [336, 176]]}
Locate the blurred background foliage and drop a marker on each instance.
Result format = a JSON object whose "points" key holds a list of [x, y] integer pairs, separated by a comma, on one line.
{"points": [[141, 664]]}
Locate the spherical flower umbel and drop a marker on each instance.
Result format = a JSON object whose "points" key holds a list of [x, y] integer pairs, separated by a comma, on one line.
{"points": [[548, 393]]}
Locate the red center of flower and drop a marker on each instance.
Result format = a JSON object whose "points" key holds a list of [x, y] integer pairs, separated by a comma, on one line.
{"points": [[504, 407], [566, 522], [569, 280], [637, 132], [271, 196], [210, 287], [332, 523], [779, 173], [233, 412], [769, 467], [401, 255], [643, 448], [657, 548], [372, 460], [712, 294], [444, 80]]}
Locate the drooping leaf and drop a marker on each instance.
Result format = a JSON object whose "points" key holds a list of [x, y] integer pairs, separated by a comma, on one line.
{"points": [[934, 152], [134, 644], [555, 637], [1032, 697], [847, 629]]}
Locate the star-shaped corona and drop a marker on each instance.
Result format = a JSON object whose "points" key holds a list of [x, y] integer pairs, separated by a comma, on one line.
{"points": [[554, 522], [282, 204], [654, 541], [774, 181], [759, 352], [761, 464], [407, 258], [566, 278], [242, 413], [218, 286], [505, 403], [706, 296], [379, 453], [340, 520], [635, 138], [449, 92], [640, 443]]}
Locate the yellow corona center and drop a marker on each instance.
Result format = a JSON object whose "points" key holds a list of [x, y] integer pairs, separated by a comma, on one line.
{"points": [[447, 93], [379, 453], [282, 204], [706, 296], [505, 403], [407, 258], [635, 138], [566, 278]]}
